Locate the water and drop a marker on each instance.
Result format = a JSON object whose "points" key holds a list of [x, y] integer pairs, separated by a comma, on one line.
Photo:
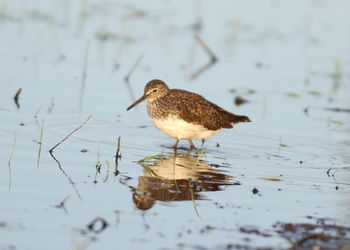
{"points": [[289, 60]]}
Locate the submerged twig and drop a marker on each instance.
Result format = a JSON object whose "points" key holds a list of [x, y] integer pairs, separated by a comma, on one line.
{"points": [[16, 97], [10, 159], [67, 176], [62, 204], [337, 109], [213, 58], [340, 110], [337, 75], [84, 75], [36, 117], [40, 142], [106, 178], [117, 212], [117, 157], [59, 164], [330, 120], [37, 112], [333, 174], [98, 164], [65, 138]]}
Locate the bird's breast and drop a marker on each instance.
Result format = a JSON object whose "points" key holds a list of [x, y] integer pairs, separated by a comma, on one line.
{"points": [[181, 129]]}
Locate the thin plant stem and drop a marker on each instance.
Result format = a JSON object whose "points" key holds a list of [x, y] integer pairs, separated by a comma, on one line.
{"points": [[84, 75], [65, 138], [40, 143], [193, 200], [117, 157], [9, 161]]}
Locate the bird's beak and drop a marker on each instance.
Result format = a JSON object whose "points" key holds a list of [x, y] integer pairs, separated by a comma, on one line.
{"points": [[137, 102]]}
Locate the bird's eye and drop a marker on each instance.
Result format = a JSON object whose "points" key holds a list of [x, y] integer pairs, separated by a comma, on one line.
{"points": [[155, 90]]}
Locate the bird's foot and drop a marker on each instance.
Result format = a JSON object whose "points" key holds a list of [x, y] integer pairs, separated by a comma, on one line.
{"points": [[175, 145], [192, 146]]}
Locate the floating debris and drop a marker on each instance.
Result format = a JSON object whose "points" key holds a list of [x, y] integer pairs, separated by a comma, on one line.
{"points": [[240, 100], [314, 236], [270, 178], [242, 91], [97, 225], [255, 190], [292, 94], [117, 157], [16, 96], [315, 93]]}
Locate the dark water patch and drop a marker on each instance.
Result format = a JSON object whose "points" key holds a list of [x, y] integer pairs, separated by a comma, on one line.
{"points": [[314, 236]]}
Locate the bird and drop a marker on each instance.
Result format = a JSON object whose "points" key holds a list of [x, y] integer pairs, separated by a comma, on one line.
{"points": [[184, 115]]}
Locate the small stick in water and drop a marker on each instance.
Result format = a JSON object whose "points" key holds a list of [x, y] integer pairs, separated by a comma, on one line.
{"points": [[9, 162], [40, 142], [213, 58], [117, 157], [65, 138], [62, 204], [15, 98], [58, 162]]}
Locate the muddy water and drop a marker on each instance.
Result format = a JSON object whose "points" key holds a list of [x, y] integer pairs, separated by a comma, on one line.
{"points": [[270, 183]]}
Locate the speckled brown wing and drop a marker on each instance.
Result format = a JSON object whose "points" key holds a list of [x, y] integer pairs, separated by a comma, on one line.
{"points": [[195, 109]]}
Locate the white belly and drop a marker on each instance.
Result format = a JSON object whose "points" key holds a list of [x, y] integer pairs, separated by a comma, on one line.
{"points": [[181, 129]]}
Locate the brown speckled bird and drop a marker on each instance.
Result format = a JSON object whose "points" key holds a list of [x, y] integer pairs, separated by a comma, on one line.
{"points": [[185, 115]]}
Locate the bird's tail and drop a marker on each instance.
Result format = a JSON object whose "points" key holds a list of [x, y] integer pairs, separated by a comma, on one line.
{"points": [[241, 118]]}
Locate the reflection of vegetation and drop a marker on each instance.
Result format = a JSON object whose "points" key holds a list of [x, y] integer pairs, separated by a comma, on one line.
{"points": [[59, 163], [199, 157], [10, 159], [337, 74], [146, 159], [107, 173], [193, 199], [149, 170]]}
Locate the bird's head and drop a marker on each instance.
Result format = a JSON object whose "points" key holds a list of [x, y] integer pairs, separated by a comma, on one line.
{"points": [[153, 90]]}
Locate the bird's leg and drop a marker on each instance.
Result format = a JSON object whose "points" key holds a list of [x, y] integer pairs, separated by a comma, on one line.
{"points": [[175, 145], [191, 144]]}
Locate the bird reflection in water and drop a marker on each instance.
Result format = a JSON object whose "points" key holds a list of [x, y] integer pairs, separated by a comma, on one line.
{"points": [[179, 177]]}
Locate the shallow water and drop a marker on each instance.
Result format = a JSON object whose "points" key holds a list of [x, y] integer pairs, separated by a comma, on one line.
{"points": [[289, 60]]}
